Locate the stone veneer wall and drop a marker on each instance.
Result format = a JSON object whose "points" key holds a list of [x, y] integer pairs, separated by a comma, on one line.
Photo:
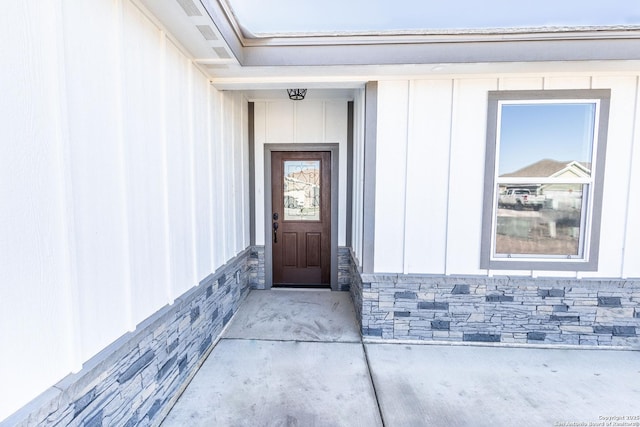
{"points": [[256, 267], [356, 289], [499, 309], [344, 268], [136, 380]]}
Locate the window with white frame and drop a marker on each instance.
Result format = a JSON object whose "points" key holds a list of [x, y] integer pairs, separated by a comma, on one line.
{"points": [[543, 179]]}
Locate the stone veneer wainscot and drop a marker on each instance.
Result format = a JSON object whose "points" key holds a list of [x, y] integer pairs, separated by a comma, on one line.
{"points": [[504, 310], [136, 380]]}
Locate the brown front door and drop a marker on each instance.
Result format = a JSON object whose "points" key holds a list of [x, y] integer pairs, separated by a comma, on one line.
{"points": [[301, 217]]}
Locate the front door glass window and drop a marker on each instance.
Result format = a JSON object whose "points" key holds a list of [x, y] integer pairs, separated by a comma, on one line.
{"points": [[301, 190]]}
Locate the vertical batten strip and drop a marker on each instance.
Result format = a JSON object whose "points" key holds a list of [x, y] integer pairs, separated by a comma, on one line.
{"points": [[230, 200], [191, 147], [454, 84], [409, 140], [124, 178], [210, 180], [73, 287], [218, 176], [230, 154], [222, 181], [627, 261], [165, 166]]}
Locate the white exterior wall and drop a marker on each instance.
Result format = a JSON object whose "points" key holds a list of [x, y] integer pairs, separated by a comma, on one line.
{"points": [[111, 204], [428, 218], [300, 122]]}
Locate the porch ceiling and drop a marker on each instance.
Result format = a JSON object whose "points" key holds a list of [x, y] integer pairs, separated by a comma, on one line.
{"points": [[235, 58]]}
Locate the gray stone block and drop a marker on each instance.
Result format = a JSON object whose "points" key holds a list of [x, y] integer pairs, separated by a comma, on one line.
{"points": [[609, 302], [166, 367], [460, 290], [136, 367], [132, 421], [401, 314], [440, 325], [481, 337], [204, 345], [80, 404], [195, 313], [94, 420], [182, 364], [374, 332], [499, 298], [428, 305], [174, 344], [553, 293], [157, 404], [607, 330], [536, 336], [405, 295], [557, 318], [624, 331]]}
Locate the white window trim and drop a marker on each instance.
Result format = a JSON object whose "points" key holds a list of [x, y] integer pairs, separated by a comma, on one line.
{"points": [[587, 260]]}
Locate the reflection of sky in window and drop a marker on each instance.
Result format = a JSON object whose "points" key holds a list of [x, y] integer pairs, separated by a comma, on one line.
{"points": [[533, 132]]}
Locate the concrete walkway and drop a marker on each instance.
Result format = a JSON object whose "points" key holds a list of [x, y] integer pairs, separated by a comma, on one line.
{"points": [[295, 358]]}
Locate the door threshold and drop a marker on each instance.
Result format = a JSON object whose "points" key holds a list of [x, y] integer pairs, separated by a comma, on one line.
{"points": [[300, 286]]}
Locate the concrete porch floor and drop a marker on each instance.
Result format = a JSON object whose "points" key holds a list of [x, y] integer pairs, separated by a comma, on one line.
{"points": [[296, 358]]}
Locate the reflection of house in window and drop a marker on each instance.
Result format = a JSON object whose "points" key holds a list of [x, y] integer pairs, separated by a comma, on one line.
{"points": [[302, 192], [557, 195], [555, 189]]}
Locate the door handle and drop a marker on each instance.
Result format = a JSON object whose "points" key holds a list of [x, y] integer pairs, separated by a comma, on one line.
{"points": [[275, 232]]}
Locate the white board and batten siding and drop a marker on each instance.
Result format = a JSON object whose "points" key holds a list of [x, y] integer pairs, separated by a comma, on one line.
{"points": [[300, 122], [431, 142], [35, 291], [112, 208]]}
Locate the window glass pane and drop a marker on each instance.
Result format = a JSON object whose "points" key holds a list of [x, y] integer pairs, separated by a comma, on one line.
{"points": [[302, 190], [543, 192], [543, 139], [539, 219]]}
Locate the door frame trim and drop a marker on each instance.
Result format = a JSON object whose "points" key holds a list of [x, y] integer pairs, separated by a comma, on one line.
{"points": [[334, 149]]}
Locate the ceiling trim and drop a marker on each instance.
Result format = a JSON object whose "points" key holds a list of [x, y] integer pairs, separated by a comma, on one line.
{"points": [[462, 36], [445, 52]]}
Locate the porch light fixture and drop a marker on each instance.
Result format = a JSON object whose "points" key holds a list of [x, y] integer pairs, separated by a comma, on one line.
{"points": [[296, 94]]}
